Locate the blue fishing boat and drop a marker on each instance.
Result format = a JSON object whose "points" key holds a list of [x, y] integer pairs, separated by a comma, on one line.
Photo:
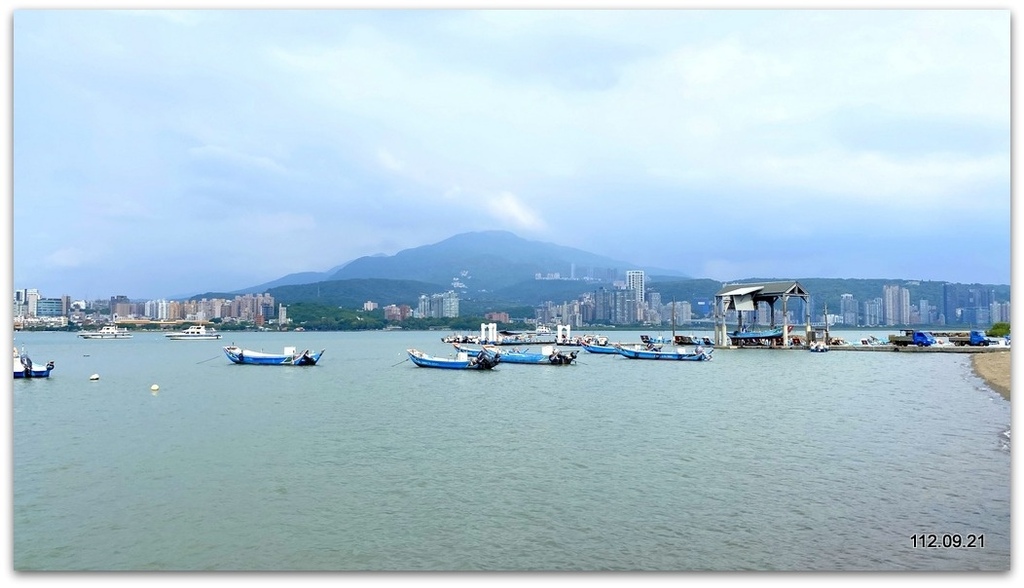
{"points": [[24, 367], [640, 352], [548, 355], [289, 357], [462, 360], [757, 335], [597, 348]]}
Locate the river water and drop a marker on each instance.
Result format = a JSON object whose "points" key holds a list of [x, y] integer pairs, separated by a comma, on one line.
{"points": [[758, 460]]}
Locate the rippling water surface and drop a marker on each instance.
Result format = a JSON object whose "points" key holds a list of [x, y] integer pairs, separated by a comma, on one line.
{"points": [[758, 460]]}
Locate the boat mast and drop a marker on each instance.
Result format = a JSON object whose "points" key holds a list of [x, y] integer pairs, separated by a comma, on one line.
{"points": [[673, 319], [826, 323]]}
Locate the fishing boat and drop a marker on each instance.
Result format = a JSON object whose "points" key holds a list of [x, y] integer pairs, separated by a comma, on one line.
{"points": [[683, 340], [24, 367], [595, 347], [107, 332], [289, 357], [680, 354], [548, 355], [597, 344], [194, 333], [462, 360], [756, 336]]}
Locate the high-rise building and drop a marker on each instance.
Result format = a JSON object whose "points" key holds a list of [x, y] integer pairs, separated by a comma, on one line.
{"points": [[895, 305], [873, 312], [635, 281], [848, 309]]}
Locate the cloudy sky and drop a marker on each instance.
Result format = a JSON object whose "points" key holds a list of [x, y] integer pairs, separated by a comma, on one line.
{"points": [[158, 153]]}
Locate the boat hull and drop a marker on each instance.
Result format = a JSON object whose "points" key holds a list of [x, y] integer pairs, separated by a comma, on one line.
{"points": [[757, 335], [249, 357], [463, 362], [24, 367], [194, 333], [663, 355], [31, 373], [607, 349], [546, 357], [107, 332]]}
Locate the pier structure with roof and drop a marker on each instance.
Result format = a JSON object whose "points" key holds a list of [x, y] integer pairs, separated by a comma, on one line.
{"points": [[745, 296]]}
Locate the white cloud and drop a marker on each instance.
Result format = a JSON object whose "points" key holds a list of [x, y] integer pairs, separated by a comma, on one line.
{"points": [[389, 161], [224, 155], [506, 112], [510, 209], [69, 257]]}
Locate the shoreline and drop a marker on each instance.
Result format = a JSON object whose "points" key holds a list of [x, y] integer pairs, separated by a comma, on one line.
{"points": [[994, 370]]}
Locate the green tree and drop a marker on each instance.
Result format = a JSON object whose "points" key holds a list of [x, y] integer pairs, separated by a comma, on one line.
{"points": [[999, 330]]}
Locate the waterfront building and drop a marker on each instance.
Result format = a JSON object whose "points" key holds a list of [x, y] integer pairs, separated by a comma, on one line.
{"points": [[848, 309], [52, 307], [967, 304], [895, 305], [635, 281], [999, 312], [873, 312]]}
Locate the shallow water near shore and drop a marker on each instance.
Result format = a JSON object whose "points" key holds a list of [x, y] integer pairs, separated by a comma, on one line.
{"points": [[758, 460]]}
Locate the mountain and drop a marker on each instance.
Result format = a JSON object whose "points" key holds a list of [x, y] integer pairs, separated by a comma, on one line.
{"points": [[298, 279], [486, 261]]}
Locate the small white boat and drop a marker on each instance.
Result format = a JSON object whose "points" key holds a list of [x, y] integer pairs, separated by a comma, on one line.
{"points": [[24, 367], [107, 332], [194, 332]]}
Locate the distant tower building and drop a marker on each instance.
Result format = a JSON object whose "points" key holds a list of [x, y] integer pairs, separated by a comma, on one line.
{"points": [[450, 304], [31, 301], [282, 316], [925, 312], [848, 309], [635, 281], [763, 315], [896, 305], [873, 313]]}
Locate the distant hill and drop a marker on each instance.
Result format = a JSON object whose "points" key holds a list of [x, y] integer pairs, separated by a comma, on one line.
{"points": [[496, 270], [353, 293], [486, 261], [296, 279]]}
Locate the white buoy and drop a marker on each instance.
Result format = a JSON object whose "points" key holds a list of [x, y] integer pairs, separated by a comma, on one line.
{"points": [[94, 377], [154, 387]]}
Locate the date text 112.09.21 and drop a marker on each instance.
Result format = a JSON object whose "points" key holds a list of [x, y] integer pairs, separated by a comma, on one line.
{"points": [[948, 540]]}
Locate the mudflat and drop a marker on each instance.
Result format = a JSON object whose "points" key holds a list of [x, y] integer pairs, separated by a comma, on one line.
{"points": [[994, 368]]}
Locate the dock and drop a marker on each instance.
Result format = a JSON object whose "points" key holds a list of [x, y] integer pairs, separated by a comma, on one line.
{"points": [[888, 348]]}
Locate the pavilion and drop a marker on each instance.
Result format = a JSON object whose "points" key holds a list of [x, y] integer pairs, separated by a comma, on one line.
{"points": [[746, 296]]}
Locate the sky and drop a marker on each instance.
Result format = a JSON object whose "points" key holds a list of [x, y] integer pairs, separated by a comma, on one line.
{"points": [[162, 153]]}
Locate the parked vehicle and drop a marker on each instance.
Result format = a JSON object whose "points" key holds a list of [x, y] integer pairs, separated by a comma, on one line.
{"points": [[912, 337], [974, 339]]}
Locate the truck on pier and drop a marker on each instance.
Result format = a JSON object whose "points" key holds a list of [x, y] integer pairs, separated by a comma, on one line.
{"points": [[974, 339], [912, 337]]}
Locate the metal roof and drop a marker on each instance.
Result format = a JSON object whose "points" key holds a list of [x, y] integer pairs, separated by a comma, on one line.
{"points": [[761, 290], [738, 290]]}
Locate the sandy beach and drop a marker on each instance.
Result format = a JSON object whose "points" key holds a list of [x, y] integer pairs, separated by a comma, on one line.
{"points": [[994, 368]]}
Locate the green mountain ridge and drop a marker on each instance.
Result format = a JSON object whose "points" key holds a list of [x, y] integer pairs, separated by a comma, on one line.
{"points": [[496, 271]]}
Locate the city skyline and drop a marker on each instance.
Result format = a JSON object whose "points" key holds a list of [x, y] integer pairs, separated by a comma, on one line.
{"points": [[158, 153], [624, 302]]}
